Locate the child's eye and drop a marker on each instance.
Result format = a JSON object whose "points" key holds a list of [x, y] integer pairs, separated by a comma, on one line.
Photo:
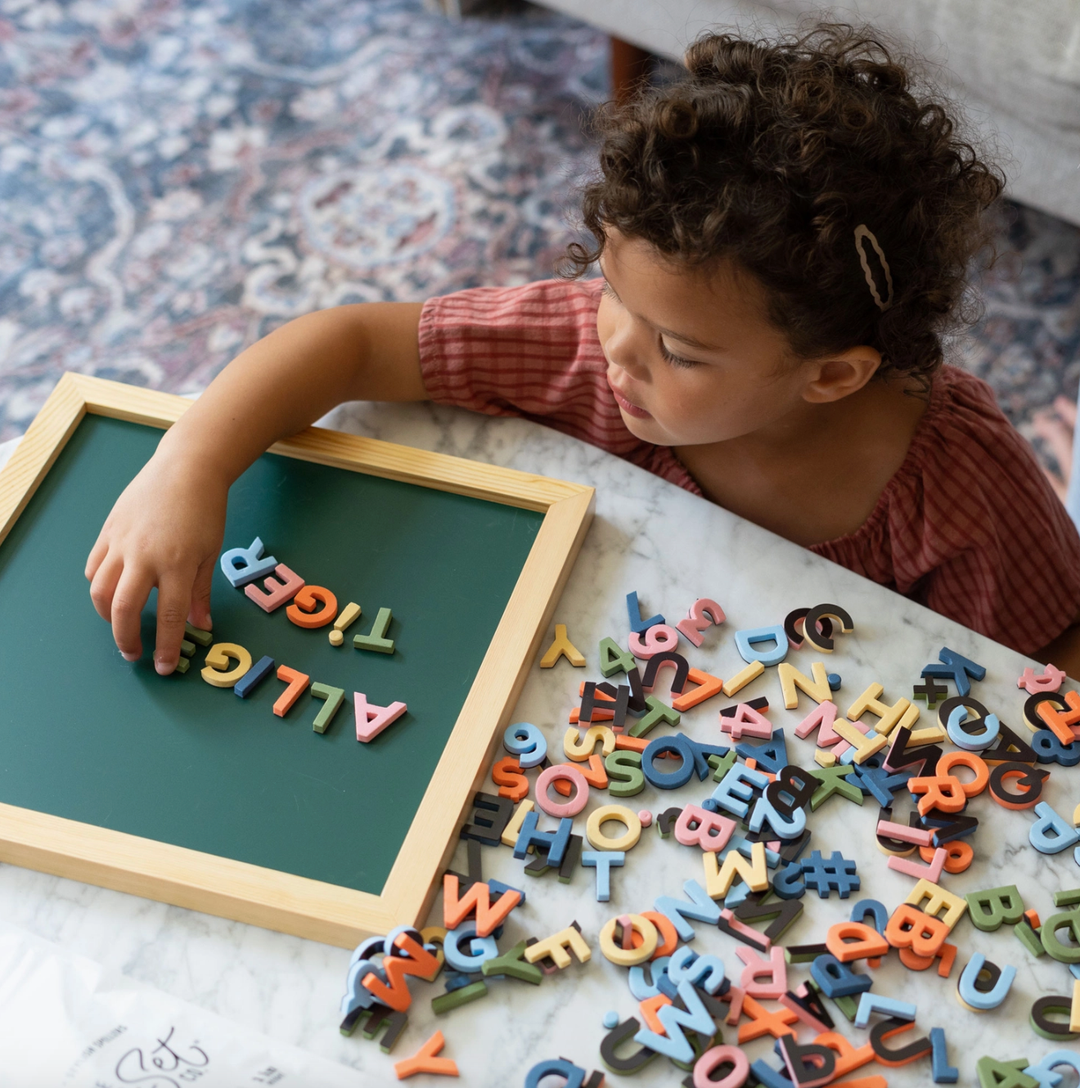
{"points": [[675, 360]]}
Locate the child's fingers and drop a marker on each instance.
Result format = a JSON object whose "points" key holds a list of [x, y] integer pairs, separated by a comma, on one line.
{"points": [[128, 600], [1066, 409], [97, 554], [103, 585], [174, 596], [1057, 437], [199, 613]]}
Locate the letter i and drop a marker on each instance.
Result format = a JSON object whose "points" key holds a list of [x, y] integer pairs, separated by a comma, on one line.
{"points": [[349, 614]]}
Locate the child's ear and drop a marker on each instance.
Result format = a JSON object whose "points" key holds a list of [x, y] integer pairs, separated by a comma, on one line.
{"points": [[841, 375]]}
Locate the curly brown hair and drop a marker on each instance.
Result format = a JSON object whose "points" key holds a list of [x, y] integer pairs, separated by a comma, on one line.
{"points": [[769, 155]]}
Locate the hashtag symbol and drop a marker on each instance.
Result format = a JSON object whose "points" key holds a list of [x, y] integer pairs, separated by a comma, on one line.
{"points": [[835, 874]]}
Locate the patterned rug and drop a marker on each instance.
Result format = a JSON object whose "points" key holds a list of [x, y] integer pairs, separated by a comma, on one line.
{"points": [[179, 177]]}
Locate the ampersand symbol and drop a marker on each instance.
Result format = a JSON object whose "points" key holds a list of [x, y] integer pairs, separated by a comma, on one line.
{"points": [[1049, 680]]}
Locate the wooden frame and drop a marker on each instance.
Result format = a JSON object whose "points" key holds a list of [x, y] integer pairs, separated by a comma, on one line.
{"points": [[249, 893]]}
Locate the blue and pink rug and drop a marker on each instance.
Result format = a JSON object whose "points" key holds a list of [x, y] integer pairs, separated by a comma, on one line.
{"points": [[178, 177]]}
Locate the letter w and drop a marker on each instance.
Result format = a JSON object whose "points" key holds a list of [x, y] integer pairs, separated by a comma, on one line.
{"points": [[477, 898]]}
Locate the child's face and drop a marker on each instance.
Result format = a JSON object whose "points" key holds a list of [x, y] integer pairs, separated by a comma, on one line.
{"points": [[737, 378]]}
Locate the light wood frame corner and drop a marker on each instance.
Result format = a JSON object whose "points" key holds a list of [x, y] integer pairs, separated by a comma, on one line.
{"points": [[249, 893]]}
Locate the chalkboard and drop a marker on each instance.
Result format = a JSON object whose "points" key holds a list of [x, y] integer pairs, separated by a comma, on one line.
{"points": [[94, 742]]}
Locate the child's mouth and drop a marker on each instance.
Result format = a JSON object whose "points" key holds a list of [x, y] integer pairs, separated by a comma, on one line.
{"points": [[629, 408]]}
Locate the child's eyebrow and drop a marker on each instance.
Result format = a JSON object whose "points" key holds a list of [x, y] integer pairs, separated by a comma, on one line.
{"points": [[681, 337]]}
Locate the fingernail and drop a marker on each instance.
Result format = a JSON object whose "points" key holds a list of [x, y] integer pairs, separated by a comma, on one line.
{"points": [[129, 657], [162, 668]]}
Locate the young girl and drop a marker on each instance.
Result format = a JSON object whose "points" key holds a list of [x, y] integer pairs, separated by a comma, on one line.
{"points": [[784, 236]]}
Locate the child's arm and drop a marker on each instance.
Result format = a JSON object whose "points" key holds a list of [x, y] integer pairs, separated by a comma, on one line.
{"points": [[166, 528]]}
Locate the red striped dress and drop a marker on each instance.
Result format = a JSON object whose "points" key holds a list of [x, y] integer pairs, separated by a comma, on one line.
{"points": [[967, 526]]}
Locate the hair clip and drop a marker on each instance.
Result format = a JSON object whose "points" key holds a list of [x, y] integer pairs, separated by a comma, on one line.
{"points": [[861, 232]]}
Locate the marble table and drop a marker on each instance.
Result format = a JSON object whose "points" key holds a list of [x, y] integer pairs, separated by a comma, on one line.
{"points": [[671, 547]]}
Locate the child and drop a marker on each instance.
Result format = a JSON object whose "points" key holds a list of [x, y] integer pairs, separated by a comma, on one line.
{"points": [[784, 236]]}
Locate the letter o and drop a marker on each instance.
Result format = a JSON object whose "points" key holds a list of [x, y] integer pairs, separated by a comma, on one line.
{"points": [[974, 763], [599, 841], [578, 800], [629, 957], [676, 745], [716, 1057]]}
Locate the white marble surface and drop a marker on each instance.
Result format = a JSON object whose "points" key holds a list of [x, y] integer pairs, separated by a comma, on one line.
{"points": [[672, 548]]}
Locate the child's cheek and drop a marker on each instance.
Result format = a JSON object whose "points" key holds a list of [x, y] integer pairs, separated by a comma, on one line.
{"points": [[696, 394]]}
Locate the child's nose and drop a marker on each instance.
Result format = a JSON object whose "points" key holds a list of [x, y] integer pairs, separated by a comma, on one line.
{"points": [[627, 352]]}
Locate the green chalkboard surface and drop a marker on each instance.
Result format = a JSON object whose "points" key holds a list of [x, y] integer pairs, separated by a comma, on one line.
{"points": [[86, 736]]}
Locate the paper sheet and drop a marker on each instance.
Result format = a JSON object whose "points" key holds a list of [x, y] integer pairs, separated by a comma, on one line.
{"points": [[65, 1024]]}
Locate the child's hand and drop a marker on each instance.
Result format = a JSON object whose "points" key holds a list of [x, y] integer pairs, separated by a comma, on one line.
{"points": [[165, 531], [1056, 426], [166, 528]]}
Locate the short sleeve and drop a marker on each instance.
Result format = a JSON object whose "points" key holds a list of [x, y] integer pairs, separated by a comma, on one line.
{"points": [[970, 527], [528, 351]]}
